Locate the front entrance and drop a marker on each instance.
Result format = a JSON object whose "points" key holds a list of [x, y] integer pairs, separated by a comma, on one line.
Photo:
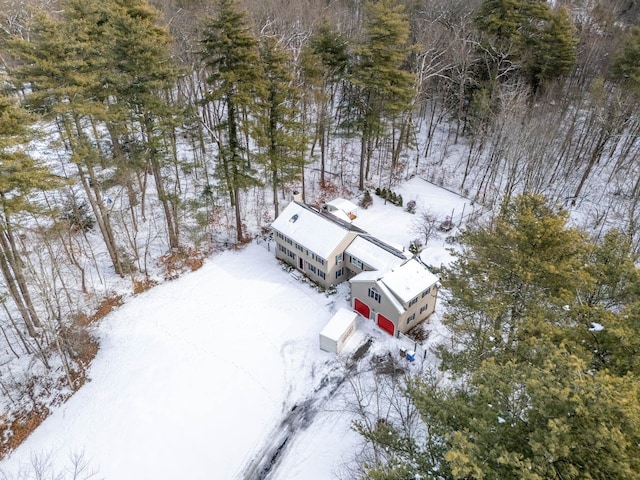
{"points": [[385, 324], [362, 308], [301, 263]]}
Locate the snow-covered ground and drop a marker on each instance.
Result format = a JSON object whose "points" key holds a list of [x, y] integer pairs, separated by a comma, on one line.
{"points": [[194, 376]]}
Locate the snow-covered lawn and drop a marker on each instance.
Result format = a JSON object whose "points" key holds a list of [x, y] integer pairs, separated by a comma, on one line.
{"points": [[193, 376]]}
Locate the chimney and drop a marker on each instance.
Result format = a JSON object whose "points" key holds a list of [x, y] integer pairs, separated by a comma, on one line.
{"points": [[297, 197]]}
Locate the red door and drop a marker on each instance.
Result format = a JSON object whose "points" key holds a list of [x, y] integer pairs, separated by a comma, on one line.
{"points": [[361, 307], [385, 324]]}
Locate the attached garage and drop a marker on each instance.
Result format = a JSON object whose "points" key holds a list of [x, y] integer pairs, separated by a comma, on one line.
{"points": [[338, 331], [362, 308], [385, 324]]}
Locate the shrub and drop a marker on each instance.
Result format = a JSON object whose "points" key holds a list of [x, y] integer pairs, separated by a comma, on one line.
{"points": [[366, 200]]}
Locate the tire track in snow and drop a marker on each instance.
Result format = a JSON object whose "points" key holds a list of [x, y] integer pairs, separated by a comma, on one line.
{"points": [[265, 461]]}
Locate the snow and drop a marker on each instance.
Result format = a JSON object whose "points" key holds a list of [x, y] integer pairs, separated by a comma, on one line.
{"points": [[339, 323], [310, 229], [596, 327], [373, 255], [409, 280], [194, 376]]}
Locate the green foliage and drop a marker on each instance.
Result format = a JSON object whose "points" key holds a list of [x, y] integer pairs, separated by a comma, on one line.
{"points": [[626, 62], [77, 216], [390, 196], [542, 373], [278, 132], [20, 174], [381, 90], [552, 420], [232, 59], [537, 40]]}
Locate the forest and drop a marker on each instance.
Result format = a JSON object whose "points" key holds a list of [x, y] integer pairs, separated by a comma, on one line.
{"points": [[138, 137]]}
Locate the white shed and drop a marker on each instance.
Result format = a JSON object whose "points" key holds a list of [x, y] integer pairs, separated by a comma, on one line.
{"points": [[337, 332]]}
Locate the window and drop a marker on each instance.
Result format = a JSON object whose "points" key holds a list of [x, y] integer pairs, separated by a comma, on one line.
{"points": [[357, 263], [339, 272], [291, 254], [413, 301], [339, 258], [411, 318], [373, 293], [424, 309], [282, 249], [289, 241], [311, 268], [317, 258], [321, 274], [426, 292], [299, 247]]}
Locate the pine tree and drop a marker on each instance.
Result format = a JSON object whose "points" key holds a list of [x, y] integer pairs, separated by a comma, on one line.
{"points": [[231, 56], [139, 76], [20, 177], [528, 37], [278, 131], [60, 63], [324, 66], [626, 62], [384, 90], [512, 280]]}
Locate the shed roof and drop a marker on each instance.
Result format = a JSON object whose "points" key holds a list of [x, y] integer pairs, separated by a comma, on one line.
{"points": [[310, 228], [343, 204], [339, 323], [409, 280]]}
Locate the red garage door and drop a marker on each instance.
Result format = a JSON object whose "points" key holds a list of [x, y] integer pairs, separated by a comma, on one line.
{"points": [[385, 324], [361, 307]]}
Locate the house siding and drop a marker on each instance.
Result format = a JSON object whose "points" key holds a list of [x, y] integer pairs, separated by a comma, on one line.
{"points": [[360, 290], [386, 307], [320, 270]]}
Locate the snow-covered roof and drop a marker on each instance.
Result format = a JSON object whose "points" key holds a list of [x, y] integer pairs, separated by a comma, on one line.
{"points": [[310, 229], [343, 204], [366, 276], [374, 276], [375, 254], [341, 215], [339, 323], [409, 280]]}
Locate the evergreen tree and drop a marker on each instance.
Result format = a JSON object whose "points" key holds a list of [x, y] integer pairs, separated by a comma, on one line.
{"points": [[231, 56], [20, 177], [556, 419], [383, 90], [278, 130], [527, 36], [324, 66], [137, 80], [626, 62], [60, 63], [510, 277]]}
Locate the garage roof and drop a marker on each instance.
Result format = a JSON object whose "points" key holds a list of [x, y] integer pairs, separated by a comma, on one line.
{"points": [[409, 280]]}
